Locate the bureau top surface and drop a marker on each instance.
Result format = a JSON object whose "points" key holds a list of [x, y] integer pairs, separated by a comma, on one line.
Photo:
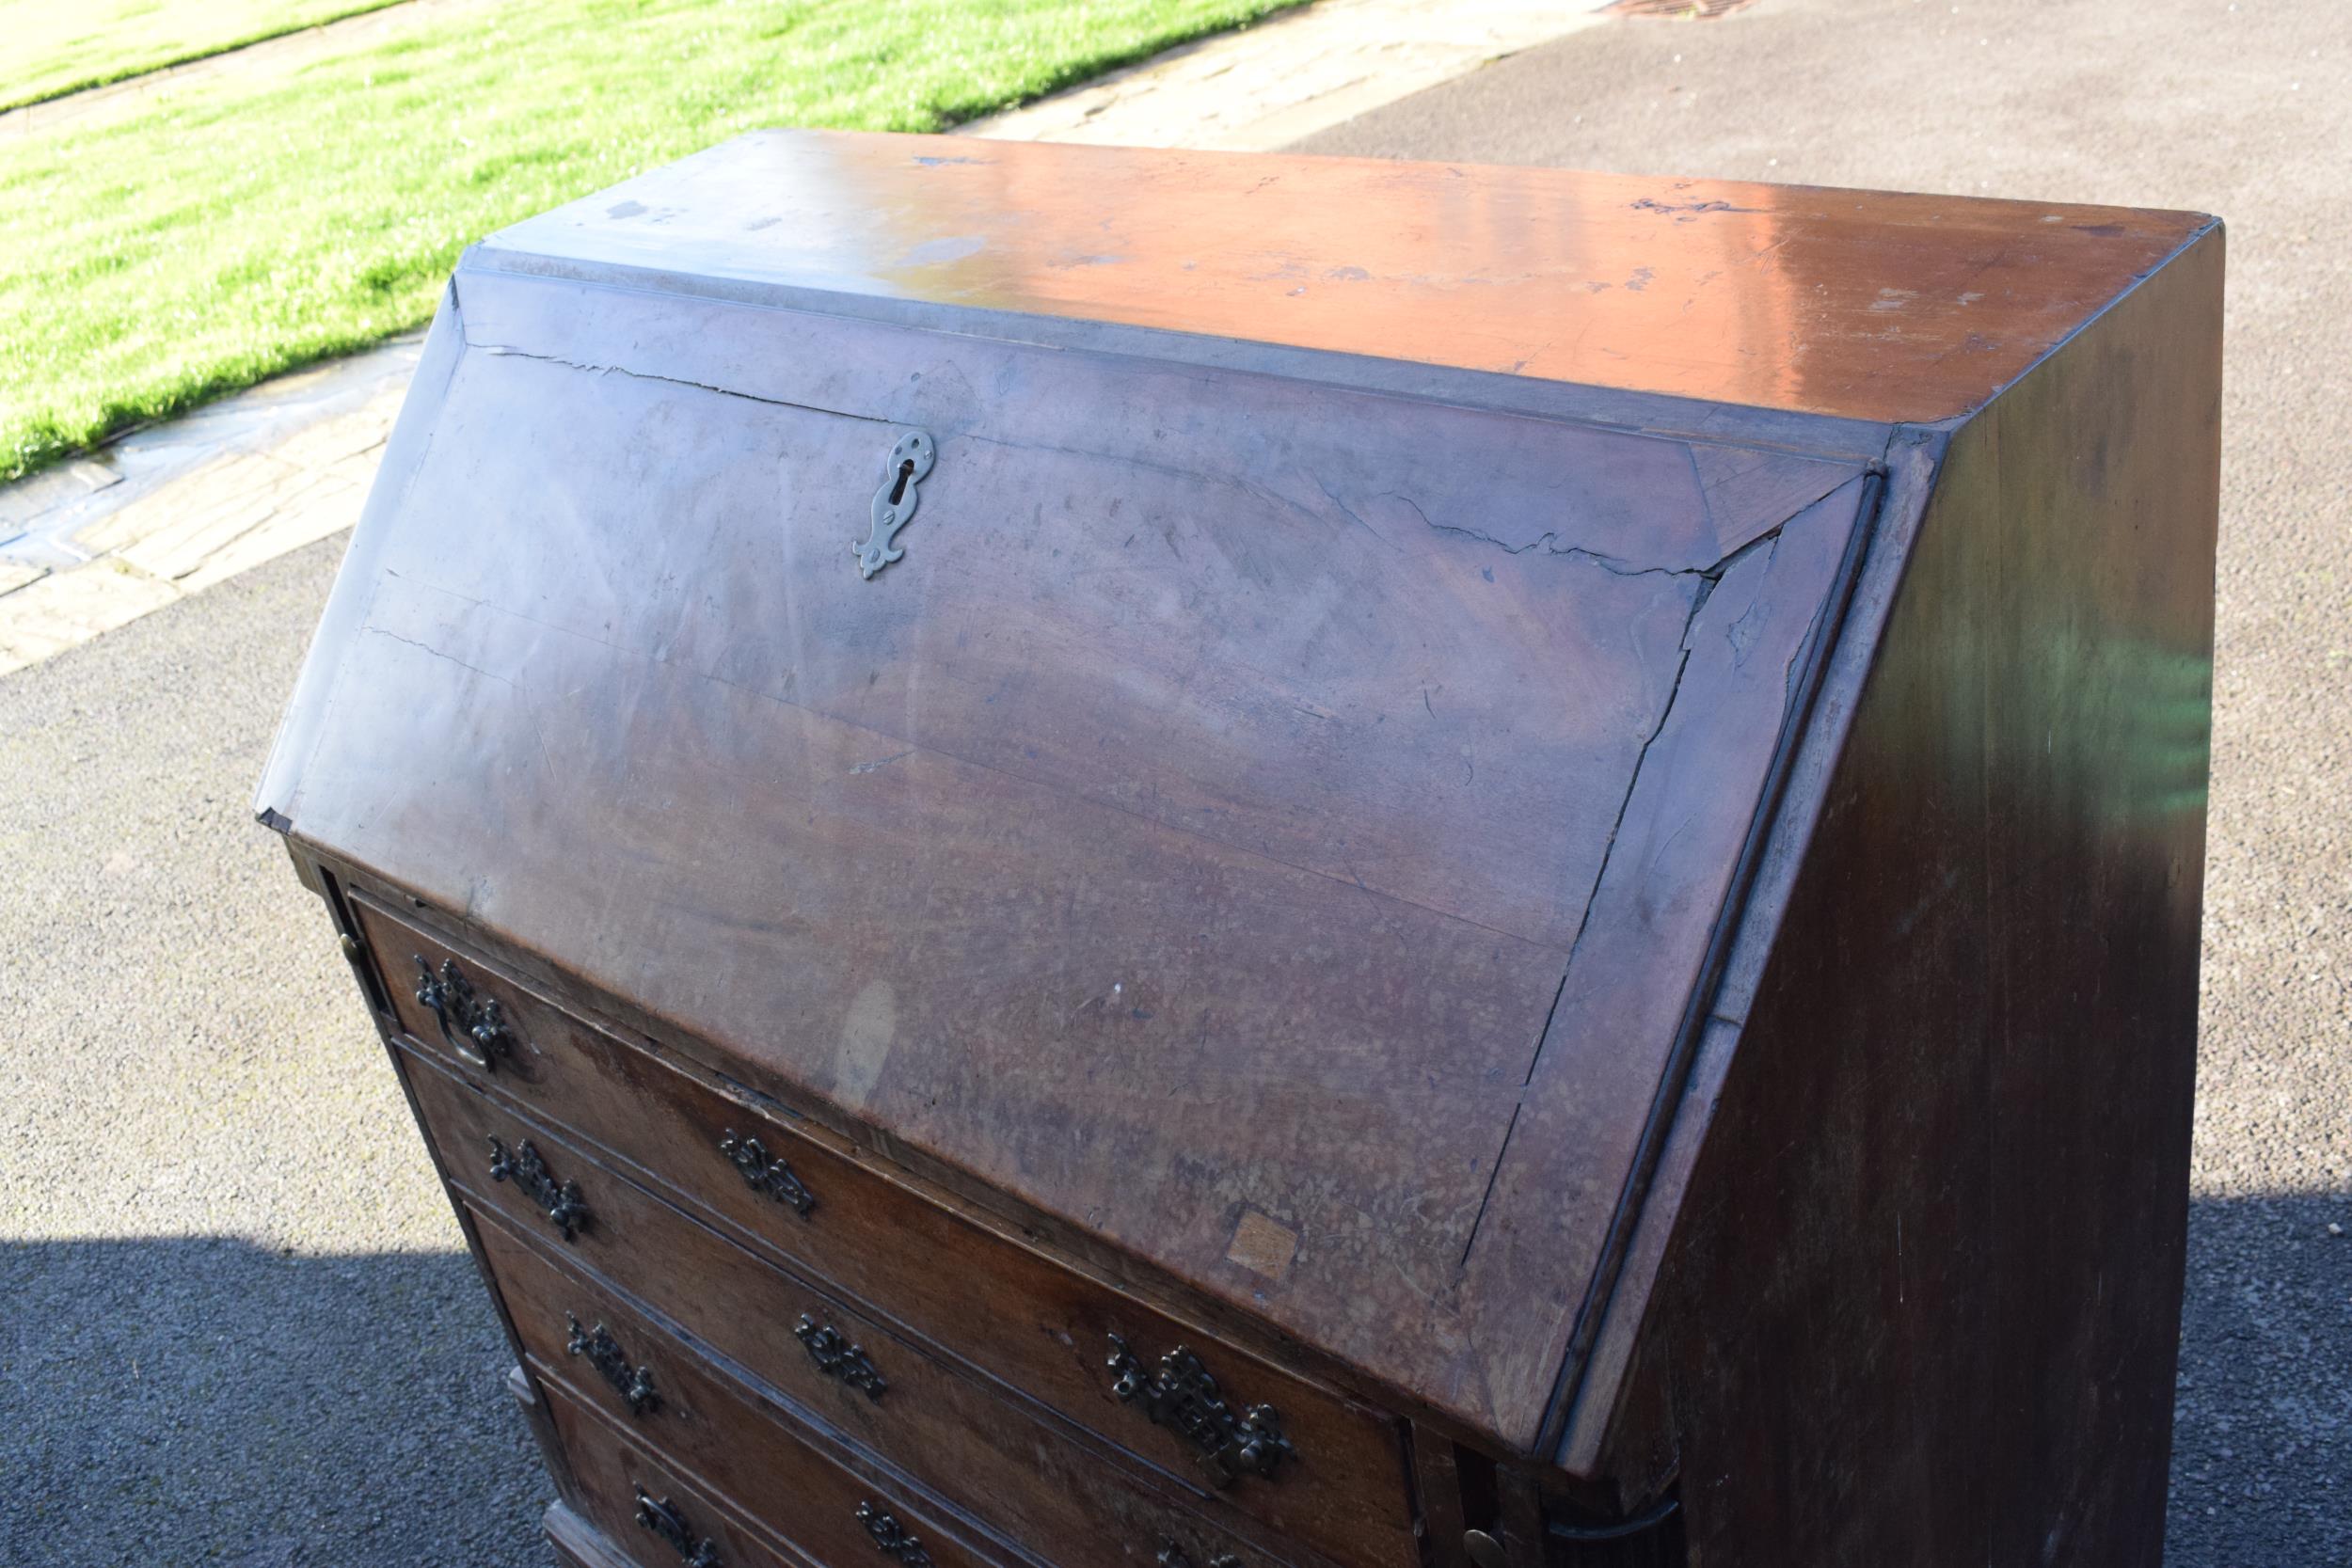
{"points": [[1856, 304]]}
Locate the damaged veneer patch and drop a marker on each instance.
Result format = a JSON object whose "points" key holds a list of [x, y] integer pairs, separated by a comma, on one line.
{"points": [[1262, 1246]]}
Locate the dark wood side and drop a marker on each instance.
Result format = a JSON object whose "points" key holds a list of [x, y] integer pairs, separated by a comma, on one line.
{"points": [[530, 1401], [1921, 1304], [1437, 1484]]}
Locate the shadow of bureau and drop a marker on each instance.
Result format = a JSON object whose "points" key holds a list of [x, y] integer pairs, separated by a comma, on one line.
{"points": [[1110, 857]]}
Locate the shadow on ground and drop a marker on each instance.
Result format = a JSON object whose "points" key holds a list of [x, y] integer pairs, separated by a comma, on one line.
{"points": [[280, 1410], [2261, 1432], [352, 1410]]}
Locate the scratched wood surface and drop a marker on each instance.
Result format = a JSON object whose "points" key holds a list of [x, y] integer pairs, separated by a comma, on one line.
{"points": [[1187, 838], [1854, 302]]}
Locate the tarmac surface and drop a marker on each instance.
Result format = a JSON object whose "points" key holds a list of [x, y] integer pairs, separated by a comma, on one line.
{"points": [[235, 1323]]}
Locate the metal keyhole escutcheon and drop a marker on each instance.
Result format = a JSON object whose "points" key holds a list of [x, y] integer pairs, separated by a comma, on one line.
{"points": [[903, 468]]}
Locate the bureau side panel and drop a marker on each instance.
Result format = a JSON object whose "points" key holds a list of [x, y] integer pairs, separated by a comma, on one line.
{"points": [[1922, 1302]]}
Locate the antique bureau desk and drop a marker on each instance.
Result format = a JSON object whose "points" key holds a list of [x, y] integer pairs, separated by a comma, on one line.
{"points": [[1135, 859]]}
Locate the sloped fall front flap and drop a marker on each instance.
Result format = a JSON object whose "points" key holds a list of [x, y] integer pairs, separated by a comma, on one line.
{"points": [[1272, 827]]}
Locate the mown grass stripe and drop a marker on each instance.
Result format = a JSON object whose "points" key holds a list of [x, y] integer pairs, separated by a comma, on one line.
{"points": [[123, 39]]}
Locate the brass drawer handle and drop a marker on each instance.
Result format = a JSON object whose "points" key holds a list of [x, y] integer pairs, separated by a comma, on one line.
{"points": [[474, 1026], [633, 1384], [890, 1538], [839, 1357], [764, 1173], [1173, 1556], [1180, 1394], [560, 1201], [664, 1520]]}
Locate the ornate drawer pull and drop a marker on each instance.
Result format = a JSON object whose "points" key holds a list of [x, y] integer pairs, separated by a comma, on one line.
{"points": [[1174, 1556], [1180, 1394], [523, 1167], [837, 1358], [890, 1538], [471, 1025], [764, 1173], [633, 1384], [664, 1520]]}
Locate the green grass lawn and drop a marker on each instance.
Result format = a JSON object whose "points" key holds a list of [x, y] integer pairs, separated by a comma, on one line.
{"points": [[48, 47], [233, 229]]}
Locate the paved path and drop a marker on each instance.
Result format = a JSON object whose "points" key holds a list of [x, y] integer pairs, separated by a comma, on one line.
{"points": [[170, 510], [1292, 74], [2244, 110], [233, 1327]]}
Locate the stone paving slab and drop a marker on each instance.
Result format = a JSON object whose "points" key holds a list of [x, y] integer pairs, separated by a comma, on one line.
{"points": [[172, 509], [25, 503], [61, 609], [1290, 75], [180, 506]]}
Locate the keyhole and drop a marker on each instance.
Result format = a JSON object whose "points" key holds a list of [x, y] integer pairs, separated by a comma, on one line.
{"points": [[898, 491]]}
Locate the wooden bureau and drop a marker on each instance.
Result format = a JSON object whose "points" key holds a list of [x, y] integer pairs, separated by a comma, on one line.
{"points": [[1097, 858]]}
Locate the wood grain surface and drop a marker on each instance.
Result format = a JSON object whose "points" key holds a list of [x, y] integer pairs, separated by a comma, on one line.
{"points": [[1187, 838], [1852, 303]]}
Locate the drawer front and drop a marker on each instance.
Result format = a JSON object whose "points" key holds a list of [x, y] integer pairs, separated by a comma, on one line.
{"points": [[1042, 1329], [1037, 1487], [677, 1523], [787, 1488]]}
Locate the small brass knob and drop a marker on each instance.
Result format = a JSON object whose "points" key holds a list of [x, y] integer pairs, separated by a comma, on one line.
{"points": [[351, 945], [1484, 1549]]}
